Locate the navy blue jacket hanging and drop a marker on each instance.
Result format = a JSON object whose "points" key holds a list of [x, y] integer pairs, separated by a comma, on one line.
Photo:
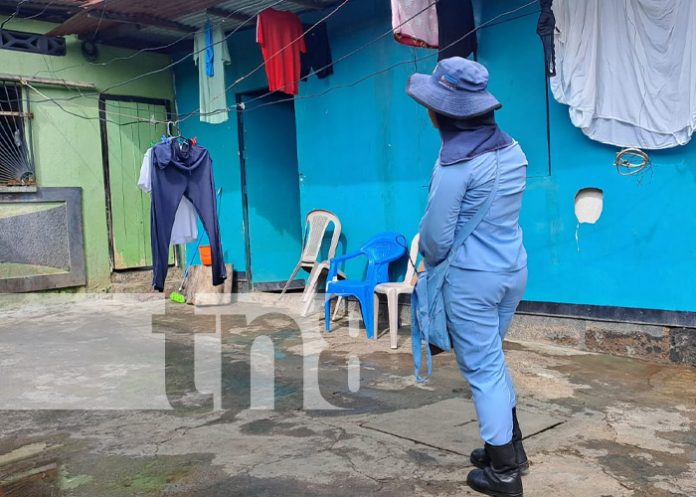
{"points": [[456, 27]]}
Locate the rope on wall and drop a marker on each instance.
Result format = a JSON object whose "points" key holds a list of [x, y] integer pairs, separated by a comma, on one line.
{"points": [[630, 161]]}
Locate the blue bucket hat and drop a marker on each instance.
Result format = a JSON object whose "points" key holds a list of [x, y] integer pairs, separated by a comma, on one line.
{"points": [[456, 89]]}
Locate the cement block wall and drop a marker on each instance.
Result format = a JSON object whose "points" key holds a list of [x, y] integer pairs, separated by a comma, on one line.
{"points": [[664, 344], [656, 343]]}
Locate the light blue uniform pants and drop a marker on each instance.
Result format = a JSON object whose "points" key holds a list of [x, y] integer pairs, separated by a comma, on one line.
{"points": [[480, 306]]}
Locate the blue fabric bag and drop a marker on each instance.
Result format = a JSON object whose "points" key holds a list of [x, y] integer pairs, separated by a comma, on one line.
{"points": [[428, 315]]}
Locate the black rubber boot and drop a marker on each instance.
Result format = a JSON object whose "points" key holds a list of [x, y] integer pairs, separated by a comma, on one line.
{"points": [[502, 478], [480, 459]]}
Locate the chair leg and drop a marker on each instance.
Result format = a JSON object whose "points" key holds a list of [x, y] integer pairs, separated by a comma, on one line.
{"points": [[375, 309], [393, 304], [312, 280], [308, 305], [310, 290], [292, 276], [367, 315], [327, 313], [339, 300]]}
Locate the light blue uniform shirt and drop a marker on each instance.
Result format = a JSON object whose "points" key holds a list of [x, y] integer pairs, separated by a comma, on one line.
{"points": [[457, 192]]}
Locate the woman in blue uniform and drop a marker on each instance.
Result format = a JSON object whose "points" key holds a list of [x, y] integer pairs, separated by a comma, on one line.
{"points": [[488, 275]]}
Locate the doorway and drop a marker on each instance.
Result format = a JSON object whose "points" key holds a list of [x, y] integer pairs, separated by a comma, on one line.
{"points": [[130, 125], [270, 188]]}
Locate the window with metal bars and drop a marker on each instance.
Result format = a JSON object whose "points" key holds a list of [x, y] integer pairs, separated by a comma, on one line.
{"points": [[16, 157]]}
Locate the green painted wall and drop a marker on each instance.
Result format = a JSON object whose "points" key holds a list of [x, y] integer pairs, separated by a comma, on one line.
{"points": [[68, 148]]}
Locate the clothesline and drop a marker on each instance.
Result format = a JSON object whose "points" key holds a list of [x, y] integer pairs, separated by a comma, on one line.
{"points": [[272, 52], [490, 22], [188, 115], [227, 36]]}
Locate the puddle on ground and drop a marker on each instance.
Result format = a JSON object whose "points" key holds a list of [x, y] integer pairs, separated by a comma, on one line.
{"points": [[536, 376], [643, 427]]}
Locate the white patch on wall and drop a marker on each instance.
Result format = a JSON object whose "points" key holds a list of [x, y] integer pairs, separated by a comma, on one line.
{"points": [[589, 203]]}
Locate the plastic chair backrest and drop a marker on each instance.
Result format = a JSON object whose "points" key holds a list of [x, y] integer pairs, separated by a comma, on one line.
{"points": [[316, 224], [412, 259], [380, 250]]}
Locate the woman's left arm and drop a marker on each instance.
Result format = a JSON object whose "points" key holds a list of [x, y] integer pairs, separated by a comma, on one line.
{"points": [[447, 189]]}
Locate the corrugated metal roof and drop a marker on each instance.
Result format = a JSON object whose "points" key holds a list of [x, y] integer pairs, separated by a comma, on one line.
{"points": [[103, 14], [158, 22], [241, 7]]}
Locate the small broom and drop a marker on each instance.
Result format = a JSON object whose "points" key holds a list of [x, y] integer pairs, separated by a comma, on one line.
{"points": [[177, 296]]}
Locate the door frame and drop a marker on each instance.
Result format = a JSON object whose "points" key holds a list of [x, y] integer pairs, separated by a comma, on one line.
{"points": [[103, 98], [243, 183], [271, 286]]}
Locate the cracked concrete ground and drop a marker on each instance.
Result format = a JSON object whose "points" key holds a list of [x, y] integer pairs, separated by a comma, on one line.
{"points": [[131, 396]]}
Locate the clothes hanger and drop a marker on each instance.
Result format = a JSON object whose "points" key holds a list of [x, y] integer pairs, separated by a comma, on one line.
{"points": [[171, 136], [170, 124]]}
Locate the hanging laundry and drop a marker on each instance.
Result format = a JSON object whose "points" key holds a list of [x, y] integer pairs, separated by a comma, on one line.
{"points": [[456, 29], [318, 54], [185, 228], [281, 38], [211, 52], [625, 68], [181, 169], [414, 23], [545, 29]]}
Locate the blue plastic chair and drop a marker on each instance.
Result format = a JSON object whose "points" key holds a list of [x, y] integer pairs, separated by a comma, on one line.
{"points": [[379, 250]]}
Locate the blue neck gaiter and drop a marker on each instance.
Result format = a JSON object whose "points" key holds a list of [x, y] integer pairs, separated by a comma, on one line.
{"points": [[464, 139]]}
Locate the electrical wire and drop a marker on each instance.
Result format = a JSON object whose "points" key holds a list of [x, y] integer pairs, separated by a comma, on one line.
{"points": [[303, 97], [101, 19], [382, 71], [19, 161], [278, 52], [389, 32], [187, 56], [142, 50], [362, 47], [253, 71], [13, 15], [182, 59], [56, 100], [256, 69], [239, 80], [89, 118], [39, 14]]}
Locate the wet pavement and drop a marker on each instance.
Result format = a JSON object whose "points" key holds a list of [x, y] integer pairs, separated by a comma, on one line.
{"points": [[132, 396]]}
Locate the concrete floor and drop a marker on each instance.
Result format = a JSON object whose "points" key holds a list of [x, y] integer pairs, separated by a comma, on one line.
{"points": [[130, 396]]}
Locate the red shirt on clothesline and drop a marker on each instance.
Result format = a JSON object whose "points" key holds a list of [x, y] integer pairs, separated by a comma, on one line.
{"points": [[280, 35]]}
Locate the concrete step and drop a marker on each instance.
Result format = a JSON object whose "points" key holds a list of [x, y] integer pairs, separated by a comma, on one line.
{"points": [[140, 281]]}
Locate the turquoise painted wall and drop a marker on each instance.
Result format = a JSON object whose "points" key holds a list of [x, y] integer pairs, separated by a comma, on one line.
{"points": [[67, 147], [222, 140], [366, 151], [349, 141], [642, 250]]}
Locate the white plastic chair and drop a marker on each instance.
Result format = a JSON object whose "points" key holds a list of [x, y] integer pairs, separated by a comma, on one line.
{"points": [[316, 224], [393, 291]]}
